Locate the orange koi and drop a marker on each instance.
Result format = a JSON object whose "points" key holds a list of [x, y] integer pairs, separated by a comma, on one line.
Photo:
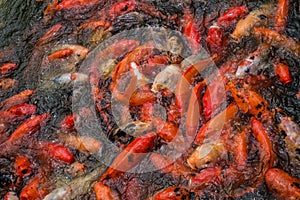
{"points": [[22, 166], [7, 84], [104, 193], [278, 40], [215, 125], [194, 116], [63, 53], [282, 71], [173, 193], [256, 18], [249, 101], [282, 12], [7, 69]]}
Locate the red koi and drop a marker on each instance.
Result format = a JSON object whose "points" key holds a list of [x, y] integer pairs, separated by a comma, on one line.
{"points": [[173, 113], [35, 189], [22, 109], [239, 148], [57, 151], [216, 40], [154, 65], [262, 136], [67, 123], [69, 4], [131, 155], [191, 30], [282, 185], [17, 113], [231, 16], [49, 35], [213, 97], [24, 130], [121, 8], [142, 95], [183, 91], [20, 98], [147, 112], [206, 177]]}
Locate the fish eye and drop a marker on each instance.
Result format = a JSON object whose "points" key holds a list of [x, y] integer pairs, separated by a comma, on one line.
{"points": [[247, 70], [238, 86], [252, 57], [262, 17]]}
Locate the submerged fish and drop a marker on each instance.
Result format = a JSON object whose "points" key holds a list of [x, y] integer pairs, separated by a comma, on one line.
{"points": [[76, 187], [292, 138]]}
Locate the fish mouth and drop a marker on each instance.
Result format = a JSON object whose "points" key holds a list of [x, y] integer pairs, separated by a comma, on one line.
{"points": [[235, 38]]}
